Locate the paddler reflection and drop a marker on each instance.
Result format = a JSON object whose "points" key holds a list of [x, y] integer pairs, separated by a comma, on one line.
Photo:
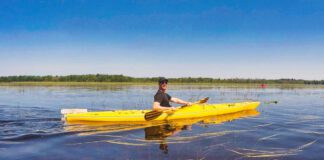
{"points": [[162, 132]]}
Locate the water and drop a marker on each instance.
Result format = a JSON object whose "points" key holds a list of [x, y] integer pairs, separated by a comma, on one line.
{"points": [[31, 126]]}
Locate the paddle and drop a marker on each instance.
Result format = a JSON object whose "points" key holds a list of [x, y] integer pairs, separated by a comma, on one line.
{"points": [[155, 114]]}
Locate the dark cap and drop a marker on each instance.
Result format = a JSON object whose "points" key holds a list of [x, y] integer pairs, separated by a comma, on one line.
{"points": [[162, 79]]}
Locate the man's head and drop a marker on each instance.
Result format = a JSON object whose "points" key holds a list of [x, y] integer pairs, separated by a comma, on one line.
{"points": [[163, 83]]}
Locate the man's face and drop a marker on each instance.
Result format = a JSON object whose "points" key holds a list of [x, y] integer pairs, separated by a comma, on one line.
{"points": [[164, 85]]}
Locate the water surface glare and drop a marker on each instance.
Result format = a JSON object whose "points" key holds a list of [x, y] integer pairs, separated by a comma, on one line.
{"points": [[31, 126]]}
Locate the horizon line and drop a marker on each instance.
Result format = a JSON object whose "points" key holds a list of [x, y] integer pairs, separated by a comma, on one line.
{"points": [[62, 75]]}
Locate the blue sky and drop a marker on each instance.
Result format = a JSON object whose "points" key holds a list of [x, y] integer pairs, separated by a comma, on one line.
{"points": [[220, 39]]}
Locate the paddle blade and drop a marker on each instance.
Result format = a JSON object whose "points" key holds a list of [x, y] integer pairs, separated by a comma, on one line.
{"points": [[203, 100], [152, 115]]}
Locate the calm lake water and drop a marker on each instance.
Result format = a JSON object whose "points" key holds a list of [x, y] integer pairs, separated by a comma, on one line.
{"points": [[31, 126]]}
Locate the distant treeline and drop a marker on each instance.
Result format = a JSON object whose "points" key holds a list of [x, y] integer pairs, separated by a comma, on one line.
{"points": [[122, 78]]}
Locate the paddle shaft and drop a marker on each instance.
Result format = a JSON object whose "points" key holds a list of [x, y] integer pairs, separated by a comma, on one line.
{"points": [[155, 114]]}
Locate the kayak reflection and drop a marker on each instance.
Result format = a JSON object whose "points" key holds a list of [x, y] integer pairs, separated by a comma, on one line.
{"points": [[162, 132]]}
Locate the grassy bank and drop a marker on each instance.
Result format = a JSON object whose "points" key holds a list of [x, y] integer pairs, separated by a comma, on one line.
{"points": [[72, 83], [103, 78]]}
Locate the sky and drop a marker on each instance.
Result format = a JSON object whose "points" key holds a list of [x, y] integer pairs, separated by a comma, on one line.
{"points": [[269, 39]]}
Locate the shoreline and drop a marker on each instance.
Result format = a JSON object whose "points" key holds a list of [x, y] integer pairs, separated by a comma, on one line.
{"points": [[103, 84]]}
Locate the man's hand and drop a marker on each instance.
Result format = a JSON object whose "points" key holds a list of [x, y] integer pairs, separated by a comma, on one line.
{"points": [[173, 108], [188, 104], [170, 110]]}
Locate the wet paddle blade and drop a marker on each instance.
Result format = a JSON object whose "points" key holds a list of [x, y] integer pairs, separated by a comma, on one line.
{"points": [[152, 115], [203, 100]]}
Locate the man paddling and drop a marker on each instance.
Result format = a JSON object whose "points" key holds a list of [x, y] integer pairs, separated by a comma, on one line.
{"points": [[162, 99]]}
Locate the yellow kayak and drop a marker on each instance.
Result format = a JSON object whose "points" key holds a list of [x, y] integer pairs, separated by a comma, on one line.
{"points": [[90, 128], [137, 116]]}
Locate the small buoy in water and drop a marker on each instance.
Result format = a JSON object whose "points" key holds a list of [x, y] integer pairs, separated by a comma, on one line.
{"points": [[263, 86]]}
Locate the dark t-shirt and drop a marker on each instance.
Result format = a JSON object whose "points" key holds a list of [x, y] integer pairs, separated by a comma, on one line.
{"points": [[162, 98]]}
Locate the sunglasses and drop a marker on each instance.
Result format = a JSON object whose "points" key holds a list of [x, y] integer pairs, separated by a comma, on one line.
{"points": [[164, 82]]}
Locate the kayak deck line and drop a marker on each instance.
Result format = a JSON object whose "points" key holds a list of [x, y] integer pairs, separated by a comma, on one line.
{"points": [[194, 111]]}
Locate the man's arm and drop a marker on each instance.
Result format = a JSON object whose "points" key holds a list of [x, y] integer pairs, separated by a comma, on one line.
{"points": [[180, 101], [158, 107]]}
